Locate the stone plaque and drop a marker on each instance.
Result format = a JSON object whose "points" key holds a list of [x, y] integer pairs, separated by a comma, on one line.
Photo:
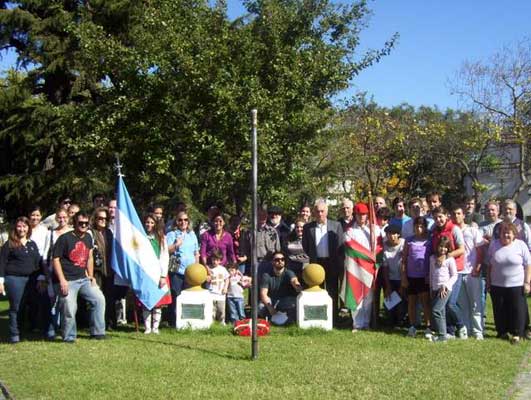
{"points": [[193, 311], [315, 313]]}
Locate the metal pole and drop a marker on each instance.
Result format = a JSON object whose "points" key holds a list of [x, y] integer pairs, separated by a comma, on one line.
{"points": [[254, 263]]}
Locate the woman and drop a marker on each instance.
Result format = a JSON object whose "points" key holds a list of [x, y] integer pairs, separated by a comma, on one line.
{"points": [[239, 240], [508, 279], [103, 272], [50, 300], [155, 233], [297, 258], [19, 259], [184, 251], [38, 231], [217, 238], [38, 298]]}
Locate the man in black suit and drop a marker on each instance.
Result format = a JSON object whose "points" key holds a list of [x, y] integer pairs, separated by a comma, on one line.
{"points": [[322, 241]]}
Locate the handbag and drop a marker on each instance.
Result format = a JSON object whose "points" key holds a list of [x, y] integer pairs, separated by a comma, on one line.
{"points": [[174, 264]]}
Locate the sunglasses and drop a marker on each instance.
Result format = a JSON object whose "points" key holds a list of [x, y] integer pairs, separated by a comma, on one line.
{"points": [[67, 201], [101, 218], [182, 220], [278, 259], [83, 223]]}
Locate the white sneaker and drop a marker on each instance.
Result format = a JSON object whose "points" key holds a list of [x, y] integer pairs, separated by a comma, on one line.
{"points": [[412, 331], [479, 336], [428, 334], [147, 331], [449, 336], [439, 338], [462, 333], [155, 331]]}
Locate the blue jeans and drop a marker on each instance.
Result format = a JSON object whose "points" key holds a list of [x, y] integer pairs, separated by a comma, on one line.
{"points": [[453, 312], [15, 287], [177, 284], [236, 311], [438, 312], [68, 306]]}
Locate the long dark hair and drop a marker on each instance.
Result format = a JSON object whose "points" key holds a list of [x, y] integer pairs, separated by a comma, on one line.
{"points": [[14, 240], [159, 228]]}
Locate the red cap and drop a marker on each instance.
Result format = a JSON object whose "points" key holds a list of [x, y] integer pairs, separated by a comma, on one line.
{"points": [[361, 208]]}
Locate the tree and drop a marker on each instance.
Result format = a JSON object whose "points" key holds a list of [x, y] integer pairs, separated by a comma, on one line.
{"points": [[169, 84], [500, 87]]}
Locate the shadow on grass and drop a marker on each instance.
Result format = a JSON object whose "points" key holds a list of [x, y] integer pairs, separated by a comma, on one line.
{"points": [[229, 356]]}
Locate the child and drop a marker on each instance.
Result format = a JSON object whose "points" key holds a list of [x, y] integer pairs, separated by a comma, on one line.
{"points": [[443, 275], [219, 283], [392, 261], [415, 270], [237, 282], [155, 233]]}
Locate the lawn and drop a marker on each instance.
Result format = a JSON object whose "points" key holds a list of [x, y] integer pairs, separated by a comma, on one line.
{"points": [[292, 363]]}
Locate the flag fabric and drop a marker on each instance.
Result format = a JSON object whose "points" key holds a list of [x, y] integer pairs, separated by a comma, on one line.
{"points": [[360, 271], [133, 256]]}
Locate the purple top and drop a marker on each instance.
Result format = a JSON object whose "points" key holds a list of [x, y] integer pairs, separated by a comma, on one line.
{"points": [[417, 257], [209, 242]]}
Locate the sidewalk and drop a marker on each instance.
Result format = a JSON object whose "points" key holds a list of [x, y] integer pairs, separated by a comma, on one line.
{"points": [[521, 387]]}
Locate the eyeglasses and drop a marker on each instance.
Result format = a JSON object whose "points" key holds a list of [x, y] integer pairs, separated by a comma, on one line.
{"points": [[101, 218], [82, 224], [278, 259]]}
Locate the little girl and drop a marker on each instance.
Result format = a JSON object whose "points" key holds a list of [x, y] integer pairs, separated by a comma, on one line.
{"points": [[415, 270], [155, 234], [443, 275]]}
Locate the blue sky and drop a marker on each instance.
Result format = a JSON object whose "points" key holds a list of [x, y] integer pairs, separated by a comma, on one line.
{"points": [[435, 38]]}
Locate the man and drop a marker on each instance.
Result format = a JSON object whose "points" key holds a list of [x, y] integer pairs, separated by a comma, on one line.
{"points": [[347, 217], [509, 214], [469, 299], [379, 202], [120, 285], [74, 275], [322, 241], [98, 200], [276, 221], [400, 218], [267, 243], [360, 233], [471, 216], [278, 289], [112, 213], [415, 210], [434, 200], [492, 213], [64, 202]]}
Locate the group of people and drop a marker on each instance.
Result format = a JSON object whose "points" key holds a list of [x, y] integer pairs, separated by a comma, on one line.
{"points": [[440, 264]]}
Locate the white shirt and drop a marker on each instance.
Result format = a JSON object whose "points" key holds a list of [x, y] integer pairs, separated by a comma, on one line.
{"points": [[321, 241], [473, 239]]}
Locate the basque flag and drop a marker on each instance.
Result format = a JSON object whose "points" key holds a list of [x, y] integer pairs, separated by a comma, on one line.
{"points": [[133, 257]]}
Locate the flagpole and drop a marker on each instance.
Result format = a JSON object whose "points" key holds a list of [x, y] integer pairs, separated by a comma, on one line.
{"points": [[254, 266], [372, 222]]}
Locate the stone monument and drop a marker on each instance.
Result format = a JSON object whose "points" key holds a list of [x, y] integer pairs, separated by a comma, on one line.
{"points": [[314, 305], [194, 305]]}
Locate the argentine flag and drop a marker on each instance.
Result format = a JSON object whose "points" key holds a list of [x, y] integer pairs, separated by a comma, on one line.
{"points": [[133, 257]]}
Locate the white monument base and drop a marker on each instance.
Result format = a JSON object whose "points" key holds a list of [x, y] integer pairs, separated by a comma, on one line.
{"points": [[194, 310], [314, 310]]}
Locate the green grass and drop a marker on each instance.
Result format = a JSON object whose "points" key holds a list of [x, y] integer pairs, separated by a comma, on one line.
{"points": [[292, 364]]}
